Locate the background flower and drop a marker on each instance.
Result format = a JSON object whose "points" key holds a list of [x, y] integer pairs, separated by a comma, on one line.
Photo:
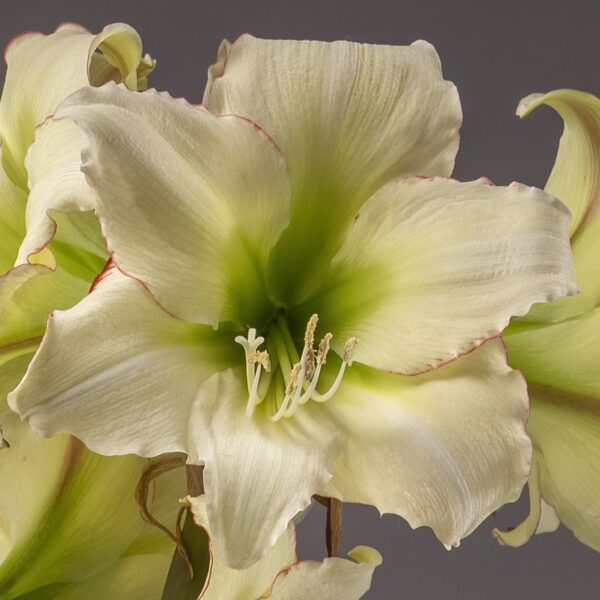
{"points": [[69, 524], [556, 346]]}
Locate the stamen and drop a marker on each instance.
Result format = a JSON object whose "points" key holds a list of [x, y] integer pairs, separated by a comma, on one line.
{"points": [[349, 347], [298, 383], [321, 360], [251, 404]]}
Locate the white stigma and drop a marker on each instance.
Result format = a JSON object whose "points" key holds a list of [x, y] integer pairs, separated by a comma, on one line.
{"points": [[304, 375]]}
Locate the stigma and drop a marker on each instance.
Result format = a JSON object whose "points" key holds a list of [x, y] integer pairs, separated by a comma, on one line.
{"points": [[300, 374]]}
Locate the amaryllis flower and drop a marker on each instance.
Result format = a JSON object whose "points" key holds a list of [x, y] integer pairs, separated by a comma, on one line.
{"points": [[279, 575], [69, 523], [61, 534], [50, 251], [557, 346], [303, 225]]}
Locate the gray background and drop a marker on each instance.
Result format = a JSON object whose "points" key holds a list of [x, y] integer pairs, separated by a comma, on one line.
{"points": [[496, 52]]}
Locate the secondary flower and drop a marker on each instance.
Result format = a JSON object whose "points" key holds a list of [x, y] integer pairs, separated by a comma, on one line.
{"points": [[271, 261], [280, 576], [60, 533], [50, 251], [69, 523], [556, 346]]}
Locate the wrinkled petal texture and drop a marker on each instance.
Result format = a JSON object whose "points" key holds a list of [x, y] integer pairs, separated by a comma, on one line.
{"points": [[348, 117], [133, 373], [258, 475], [356, 114], [444, 449], [165, 201], [431, 268]]}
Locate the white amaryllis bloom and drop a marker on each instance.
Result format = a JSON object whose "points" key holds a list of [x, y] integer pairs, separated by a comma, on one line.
{"points": [[269, 262], [557, 346], [279, 575]]}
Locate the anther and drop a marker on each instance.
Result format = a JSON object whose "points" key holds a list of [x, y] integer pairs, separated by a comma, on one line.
{"points": [[261, 357], [324, 349], [293, 383], [349, 348]]}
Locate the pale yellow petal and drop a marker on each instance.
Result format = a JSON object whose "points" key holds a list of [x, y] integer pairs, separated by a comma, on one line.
{"points": [[348, 117], [215, 214], [433, 267], [444, 449]]}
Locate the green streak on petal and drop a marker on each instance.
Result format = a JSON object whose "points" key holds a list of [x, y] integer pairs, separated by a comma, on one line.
{"points": [[48, 592]]}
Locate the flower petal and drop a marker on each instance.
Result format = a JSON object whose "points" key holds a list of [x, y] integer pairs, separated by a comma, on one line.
{"points": [[234, 584], [279, 576], [562, 356], [215, 214], [27, 294], [349, 118], [66, 529], [44, 69], [118, 372], [565, 429], [541, 519], [56, 183], [432, 268], [575, 179], [138, 577], [12, 220], [12, 369], [331, 578], [258, 475], [444, 449]]}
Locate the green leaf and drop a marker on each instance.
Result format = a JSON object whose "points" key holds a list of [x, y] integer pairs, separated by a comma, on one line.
{"points": [[179, 585]]}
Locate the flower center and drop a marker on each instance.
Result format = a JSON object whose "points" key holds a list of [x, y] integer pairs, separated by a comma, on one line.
{"points": [[294, 378]]}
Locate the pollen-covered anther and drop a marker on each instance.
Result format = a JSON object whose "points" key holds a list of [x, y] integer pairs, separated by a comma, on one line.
{"points": [[261, 357], [292, 385], [349, 348], [324, 345]]}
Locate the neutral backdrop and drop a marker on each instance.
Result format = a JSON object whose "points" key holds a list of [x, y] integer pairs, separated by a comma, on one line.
{"points": [[496, 52]]}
